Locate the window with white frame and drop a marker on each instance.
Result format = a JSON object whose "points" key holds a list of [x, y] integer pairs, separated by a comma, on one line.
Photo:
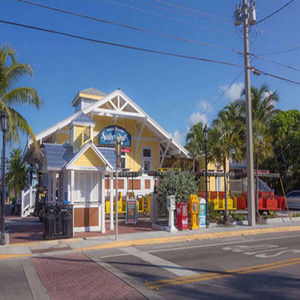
{"points": [[123, 160], [147, 159]]}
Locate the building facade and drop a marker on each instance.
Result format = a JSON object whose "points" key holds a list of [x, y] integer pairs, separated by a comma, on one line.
{"points": [[77, 155]]}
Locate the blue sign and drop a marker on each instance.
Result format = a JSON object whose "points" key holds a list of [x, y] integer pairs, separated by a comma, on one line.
{"points": [[108, 136]]}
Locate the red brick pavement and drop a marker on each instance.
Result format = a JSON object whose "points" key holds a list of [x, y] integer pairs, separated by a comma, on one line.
{"points": [[26, 233], [122, 228], [74, 276]]}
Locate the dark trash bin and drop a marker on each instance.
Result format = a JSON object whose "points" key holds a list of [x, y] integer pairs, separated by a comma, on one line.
{"points": [[58, 222], [49, 223]]}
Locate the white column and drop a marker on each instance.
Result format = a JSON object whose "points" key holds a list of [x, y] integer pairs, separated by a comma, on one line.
{"points": [[111, 202], [53, 187], [103, 229], [72, 184]]}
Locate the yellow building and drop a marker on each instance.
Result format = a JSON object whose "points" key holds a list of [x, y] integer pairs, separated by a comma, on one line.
{"points": [[77, 155], [215, 175]]}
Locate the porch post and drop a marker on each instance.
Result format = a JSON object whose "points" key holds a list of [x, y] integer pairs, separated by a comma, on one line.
{"points": [[111, 202], [103, 229]]}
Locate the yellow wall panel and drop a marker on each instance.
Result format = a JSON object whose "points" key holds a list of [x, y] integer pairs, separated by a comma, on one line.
{"points": [[89, 159]]}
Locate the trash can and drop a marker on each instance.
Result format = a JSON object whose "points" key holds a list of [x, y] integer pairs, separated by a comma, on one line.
{"points": [[182, 216], [49, 224], [67, 221]]}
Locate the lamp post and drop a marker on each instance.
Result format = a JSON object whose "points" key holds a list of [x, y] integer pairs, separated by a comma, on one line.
{"points": [[205, 136], [4, 126]]}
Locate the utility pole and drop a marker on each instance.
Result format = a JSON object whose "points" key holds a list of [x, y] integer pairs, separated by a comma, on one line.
{"points": [[118, 157], [247, 15]]}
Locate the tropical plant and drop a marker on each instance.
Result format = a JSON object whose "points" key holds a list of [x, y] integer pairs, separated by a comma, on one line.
{"points": [[10, 95], [195, 143], [263, 109], [225, 139], [180, 184], [16, 173]]}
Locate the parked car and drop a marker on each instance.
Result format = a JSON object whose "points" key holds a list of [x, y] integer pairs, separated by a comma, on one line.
{"points": [[293, 199]]}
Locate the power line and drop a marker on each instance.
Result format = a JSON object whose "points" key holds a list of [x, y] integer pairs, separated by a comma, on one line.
{"points": [[128, 26], [259, 72], [275, 12], [168, 17], [150, 31], [197, 11], [223, 92], [147, 50]]}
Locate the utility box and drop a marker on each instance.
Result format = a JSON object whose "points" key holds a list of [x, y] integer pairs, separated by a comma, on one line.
{"points": [[182, 216], [194, 211]]}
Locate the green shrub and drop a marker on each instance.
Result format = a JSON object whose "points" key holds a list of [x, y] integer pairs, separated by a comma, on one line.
{"points": [[237, 217], [180, 184]]}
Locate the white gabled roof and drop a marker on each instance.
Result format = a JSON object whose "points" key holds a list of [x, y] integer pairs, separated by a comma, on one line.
{"points": [[83, 150], [118, 104]]}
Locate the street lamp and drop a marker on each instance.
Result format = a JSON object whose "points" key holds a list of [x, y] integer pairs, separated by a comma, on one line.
{"points": [[4, 126], [205, 136]]}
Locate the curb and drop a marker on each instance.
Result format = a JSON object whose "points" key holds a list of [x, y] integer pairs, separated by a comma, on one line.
{"points": [[201, 236]]}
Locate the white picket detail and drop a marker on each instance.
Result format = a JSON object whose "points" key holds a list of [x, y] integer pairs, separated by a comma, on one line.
{"points": [[27, 201]]}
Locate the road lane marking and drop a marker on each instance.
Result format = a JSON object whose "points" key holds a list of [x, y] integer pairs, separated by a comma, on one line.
{"points": [[229, 273], [160, 263], [262, 255], [265, 250]]}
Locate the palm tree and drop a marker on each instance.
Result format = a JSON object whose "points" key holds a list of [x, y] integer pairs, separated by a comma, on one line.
{"points": [[195, 142], [16, 173], [10, 72], [225, 140], [263, 109]]}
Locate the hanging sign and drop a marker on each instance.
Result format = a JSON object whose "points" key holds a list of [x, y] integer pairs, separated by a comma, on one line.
{"points": [[108, 136]]}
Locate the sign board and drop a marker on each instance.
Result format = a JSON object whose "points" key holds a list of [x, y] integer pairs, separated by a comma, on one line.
{"points": [[171, 202], [131, 211], [202, 213], [108, 136]]}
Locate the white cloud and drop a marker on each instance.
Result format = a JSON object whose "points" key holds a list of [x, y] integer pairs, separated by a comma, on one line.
{"points": [[179, 137], [203, 106], [233, 92], [196, 117]]}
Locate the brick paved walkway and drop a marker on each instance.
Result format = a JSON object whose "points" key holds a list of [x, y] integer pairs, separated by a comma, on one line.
{"points": [[21, 232], [74, 276]]}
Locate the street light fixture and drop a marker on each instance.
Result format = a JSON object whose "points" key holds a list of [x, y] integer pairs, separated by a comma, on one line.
{"points": [[4, 127], [205, 136]]}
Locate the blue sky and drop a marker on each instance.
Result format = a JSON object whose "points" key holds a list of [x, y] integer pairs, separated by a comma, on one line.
{"points": [[175, 92]]}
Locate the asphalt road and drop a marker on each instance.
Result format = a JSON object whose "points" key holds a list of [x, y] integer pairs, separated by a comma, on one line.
{"points": [[256, 267]]}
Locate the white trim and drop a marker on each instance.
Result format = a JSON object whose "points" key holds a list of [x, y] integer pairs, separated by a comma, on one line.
{"points": [[94, 107], [92, 169], [88, 145], [86, 229], [164, 154], [139, 137]]}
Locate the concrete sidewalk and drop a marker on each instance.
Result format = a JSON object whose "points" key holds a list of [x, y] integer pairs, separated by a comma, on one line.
{"points": [[39, 248]]}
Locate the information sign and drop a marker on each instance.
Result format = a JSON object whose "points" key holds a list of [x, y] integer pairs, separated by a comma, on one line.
{"points": [[131, 211]]}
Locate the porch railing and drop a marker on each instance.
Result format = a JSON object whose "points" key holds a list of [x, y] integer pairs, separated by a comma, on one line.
{"points": [[27, 199]]}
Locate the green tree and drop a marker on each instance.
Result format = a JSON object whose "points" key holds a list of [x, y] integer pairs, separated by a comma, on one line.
{"points": [[195, 143], [10, 95], [180, 184], [225, 140], [16, 173], [285, 130], [263, 109]]}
